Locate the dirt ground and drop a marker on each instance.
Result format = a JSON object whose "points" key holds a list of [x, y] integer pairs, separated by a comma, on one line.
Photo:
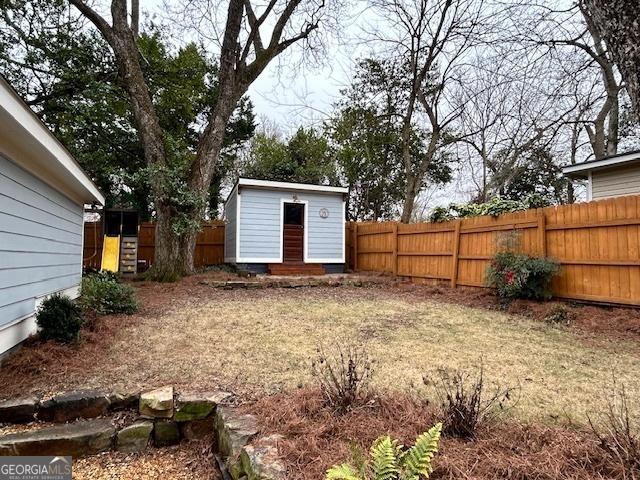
{"points": [[260, 342]]}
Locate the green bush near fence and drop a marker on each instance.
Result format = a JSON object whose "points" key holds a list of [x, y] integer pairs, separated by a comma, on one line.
{"points": [[103, 293], [517, 275]]}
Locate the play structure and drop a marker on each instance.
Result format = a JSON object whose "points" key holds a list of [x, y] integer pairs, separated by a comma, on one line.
{"points": [[120, 244]]}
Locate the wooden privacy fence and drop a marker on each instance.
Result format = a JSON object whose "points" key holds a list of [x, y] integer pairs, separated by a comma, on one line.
{"points": [[209, 245], [597, 245]]}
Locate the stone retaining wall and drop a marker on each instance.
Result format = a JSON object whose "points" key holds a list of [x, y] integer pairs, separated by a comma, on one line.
{"points": [[78, 424]]}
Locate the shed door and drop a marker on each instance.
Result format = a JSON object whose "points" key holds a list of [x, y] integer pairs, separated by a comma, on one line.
{"points": [[293, 233]]}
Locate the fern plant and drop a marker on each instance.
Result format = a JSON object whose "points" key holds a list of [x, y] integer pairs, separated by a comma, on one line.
{"points": [[390, 461]]}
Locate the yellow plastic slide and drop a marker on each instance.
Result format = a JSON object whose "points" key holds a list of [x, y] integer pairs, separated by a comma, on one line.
{"points": [[111, 253]]}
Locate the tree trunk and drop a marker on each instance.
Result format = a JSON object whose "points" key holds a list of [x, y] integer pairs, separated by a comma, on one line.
{"points": [[411, 192], [617, 22], [571, 198], [135, 17], [172, 259]]}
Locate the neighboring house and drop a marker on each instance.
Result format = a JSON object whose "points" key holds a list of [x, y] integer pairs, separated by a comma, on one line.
{"points": [[281, 227], [42, 196], [612, 176]]}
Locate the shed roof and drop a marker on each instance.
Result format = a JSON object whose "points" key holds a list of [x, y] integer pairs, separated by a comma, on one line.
{"points": [[273, 185], [269, 184], [581, 170], [30, 144]]}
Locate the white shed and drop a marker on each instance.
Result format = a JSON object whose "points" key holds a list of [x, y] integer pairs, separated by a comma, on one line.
{"points": [[285, 228], [42, 196]]}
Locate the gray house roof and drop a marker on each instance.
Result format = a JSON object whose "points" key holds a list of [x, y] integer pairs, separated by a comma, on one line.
{"points": [[581, 170]]}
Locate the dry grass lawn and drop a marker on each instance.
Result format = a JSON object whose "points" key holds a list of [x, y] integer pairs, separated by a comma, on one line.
{"points": [[263, 341]]}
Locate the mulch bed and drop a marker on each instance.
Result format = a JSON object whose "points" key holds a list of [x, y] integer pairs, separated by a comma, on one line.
{"points": [[317, 438], [187, 461]]}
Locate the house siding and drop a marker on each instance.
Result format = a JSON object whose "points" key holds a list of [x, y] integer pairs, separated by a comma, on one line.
{"points": [[260, 225], [40, 242], [230, 216], [615, 182]]}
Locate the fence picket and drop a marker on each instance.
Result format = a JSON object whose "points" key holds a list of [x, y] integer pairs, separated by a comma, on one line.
{"points": [[596, 243]]}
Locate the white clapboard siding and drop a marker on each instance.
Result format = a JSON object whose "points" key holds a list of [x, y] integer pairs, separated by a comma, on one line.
{"points": [[260, 225], [40, 241], [615, 182]]}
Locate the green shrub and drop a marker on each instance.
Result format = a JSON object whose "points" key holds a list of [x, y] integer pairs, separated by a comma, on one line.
{"points": [[516, 275], [494, 207], [59, 319], [390, 461], [103, 293]]}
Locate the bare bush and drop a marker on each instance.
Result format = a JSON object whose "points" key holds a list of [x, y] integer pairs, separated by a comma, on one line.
{"points": [[618, 431], [344, 376], [465, 402]]}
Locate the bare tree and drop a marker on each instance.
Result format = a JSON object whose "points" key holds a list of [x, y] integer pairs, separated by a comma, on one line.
{"points": [[617, 23], [244, 53], [585, 56], [430, 37], [508, 109]]}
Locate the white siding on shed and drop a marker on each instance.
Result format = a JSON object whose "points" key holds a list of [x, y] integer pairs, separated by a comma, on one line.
{"points": [[261, 225], [40, 242], [614, 182]]}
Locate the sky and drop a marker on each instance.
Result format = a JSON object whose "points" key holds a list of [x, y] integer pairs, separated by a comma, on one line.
{"points": [[302, 95]]}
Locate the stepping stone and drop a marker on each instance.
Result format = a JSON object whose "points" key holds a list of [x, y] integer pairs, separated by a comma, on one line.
{"points": [[18, 410], [157, 403], [75, 439], [135, 437], [70, 406], [197, 406]]}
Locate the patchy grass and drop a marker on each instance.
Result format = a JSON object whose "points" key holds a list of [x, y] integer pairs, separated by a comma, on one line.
{"points": [[258, 342]]}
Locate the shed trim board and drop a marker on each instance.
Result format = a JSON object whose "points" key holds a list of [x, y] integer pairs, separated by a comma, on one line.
{"points": [[238, 202], [251, 182]]}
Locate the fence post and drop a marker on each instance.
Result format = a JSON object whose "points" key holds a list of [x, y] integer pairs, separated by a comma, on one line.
{"points": [[394, 260], [355, 246], [456, 250], [542, 232]]}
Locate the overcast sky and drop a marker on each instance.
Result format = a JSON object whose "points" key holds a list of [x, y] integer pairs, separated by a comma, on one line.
{"points": [[304, 95]]}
